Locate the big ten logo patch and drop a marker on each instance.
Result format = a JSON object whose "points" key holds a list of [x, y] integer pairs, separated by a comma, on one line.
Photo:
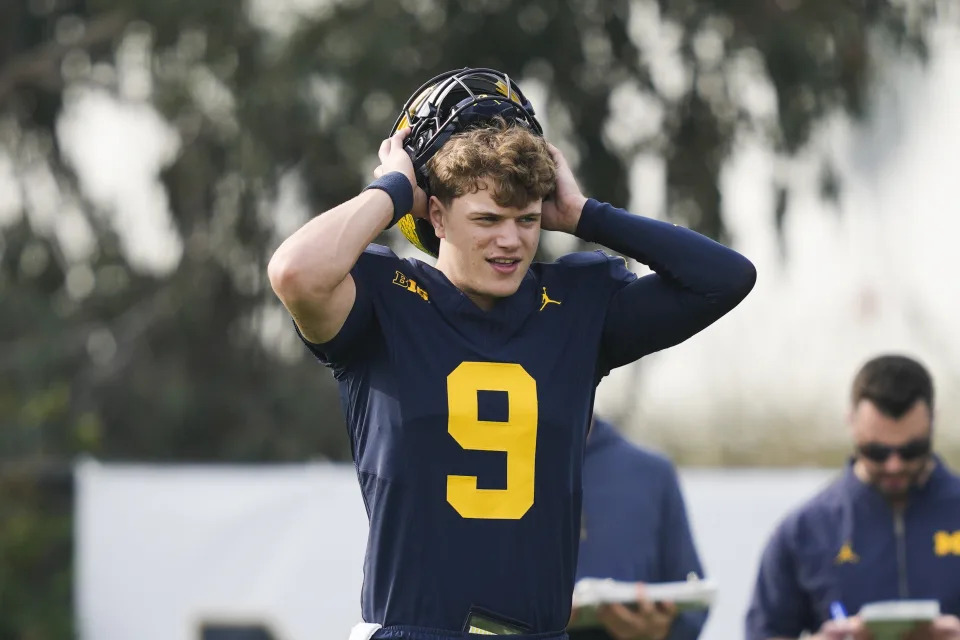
{"points": [[410, 285]]}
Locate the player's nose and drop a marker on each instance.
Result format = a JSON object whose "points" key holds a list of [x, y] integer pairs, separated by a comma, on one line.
{"points": [[508, 236]]}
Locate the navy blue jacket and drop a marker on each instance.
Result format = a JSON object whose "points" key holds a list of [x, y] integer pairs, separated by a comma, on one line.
{"points": [[634, 525], [847, 544]]}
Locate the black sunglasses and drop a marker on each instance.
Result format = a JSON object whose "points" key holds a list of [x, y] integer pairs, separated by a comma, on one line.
{"points": [[912, 450]]}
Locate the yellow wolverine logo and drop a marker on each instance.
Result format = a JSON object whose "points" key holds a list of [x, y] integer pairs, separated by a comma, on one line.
{"points": [[946, 543], [410, 285], [545, 300], [846, 555]]}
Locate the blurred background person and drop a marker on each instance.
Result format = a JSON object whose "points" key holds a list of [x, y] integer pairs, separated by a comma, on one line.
{"points": [[635, 529], [885, 530]]}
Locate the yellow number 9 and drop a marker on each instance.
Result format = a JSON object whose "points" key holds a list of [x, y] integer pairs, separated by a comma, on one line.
{"points": [[517, 437]]}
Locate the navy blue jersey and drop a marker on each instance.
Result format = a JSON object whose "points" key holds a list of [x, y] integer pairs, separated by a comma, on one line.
{"points": [[848, 545], [468, 430], [467, 426]]}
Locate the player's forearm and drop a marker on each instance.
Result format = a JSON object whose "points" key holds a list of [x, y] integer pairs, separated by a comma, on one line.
{"points": [[319, 255], [680, 256]]}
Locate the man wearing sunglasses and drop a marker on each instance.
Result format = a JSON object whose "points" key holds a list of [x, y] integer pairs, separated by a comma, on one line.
{"points": [[887, 529]]}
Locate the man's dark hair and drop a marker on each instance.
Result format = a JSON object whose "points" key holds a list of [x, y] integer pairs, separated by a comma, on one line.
{"points": [[893, 383]]}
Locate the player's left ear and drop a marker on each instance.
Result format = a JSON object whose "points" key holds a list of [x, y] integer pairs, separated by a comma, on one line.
{"points": [[437, 212]]}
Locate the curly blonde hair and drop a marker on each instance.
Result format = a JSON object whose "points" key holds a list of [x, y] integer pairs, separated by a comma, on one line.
{"points": [[514, 159]]}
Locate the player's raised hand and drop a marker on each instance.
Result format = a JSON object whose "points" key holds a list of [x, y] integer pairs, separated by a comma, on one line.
{"points": [[561, 211], [393, 157]]}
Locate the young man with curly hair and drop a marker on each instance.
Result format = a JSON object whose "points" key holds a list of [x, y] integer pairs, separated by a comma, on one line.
{"points": [[468, 387]]}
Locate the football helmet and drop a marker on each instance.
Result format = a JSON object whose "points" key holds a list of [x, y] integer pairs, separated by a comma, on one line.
{"points": [[447, 104]]}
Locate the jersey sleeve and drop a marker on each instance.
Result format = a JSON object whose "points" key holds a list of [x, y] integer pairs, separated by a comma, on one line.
{"points": [[354, 337], [695, 281], [650, 315], [616, 273]]}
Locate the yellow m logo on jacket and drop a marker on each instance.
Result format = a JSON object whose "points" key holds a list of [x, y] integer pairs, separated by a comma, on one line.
{"points": [[946, 543]]}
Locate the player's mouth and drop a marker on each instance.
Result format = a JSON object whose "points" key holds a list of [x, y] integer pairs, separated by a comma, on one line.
{"points": [[504, 265]]}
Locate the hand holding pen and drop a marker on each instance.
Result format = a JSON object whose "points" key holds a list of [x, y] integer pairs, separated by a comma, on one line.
{"points": [[841, 627]]}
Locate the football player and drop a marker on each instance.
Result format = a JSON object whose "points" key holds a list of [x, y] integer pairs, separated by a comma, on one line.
{"points": [[468, 387]]}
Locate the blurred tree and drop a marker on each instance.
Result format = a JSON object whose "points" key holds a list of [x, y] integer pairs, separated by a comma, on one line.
{"points": [[35, 553], [101, 353]]}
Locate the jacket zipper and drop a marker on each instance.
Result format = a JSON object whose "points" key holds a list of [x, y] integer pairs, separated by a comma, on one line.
{"points": [[900, 533]]}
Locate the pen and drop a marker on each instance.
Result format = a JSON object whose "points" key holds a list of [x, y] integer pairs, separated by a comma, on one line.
{"points": [[837, 611]]}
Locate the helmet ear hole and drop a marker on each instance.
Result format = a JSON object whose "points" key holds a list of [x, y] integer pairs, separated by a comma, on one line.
{"points": [[428, 236]]}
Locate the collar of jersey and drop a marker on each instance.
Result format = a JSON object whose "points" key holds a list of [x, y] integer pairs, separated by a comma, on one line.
{"points": [[506, 315]]}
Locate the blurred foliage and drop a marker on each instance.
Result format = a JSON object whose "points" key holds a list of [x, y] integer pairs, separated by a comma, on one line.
{"points": [[99, 355], [35, 554]]}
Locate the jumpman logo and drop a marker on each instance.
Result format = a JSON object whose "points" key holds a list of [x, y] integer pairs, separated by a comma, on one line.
{"points": [[545, 299]]}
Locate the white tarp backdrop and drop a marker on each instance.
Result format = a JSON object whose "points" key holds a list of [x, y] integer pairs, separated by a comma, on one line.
{"points": [[161, 549]]}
